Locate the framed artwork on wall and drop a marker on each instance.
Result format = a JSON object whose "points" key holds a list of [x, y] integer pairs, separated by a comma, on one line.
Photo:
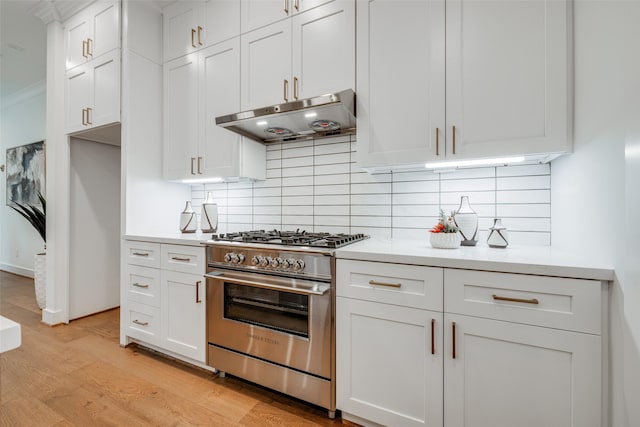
{"points": [[25, 173]]}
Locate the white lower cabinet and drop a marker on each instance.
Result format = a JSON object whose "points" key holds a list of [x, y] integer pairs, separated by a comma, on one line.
{"points": [[389, 368], [509, 374], [163, 298], [183, 315], [504, 349]]}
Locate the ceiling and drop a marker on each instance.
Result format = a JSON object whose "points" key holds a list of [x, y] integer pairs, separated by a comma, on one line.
{"points": [[23, 40]]}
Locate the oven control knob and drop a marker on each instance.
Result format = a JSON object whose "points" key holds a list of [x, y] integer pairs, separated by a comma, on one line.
{"points": [[298, 265], [276, 262], [289, 263], [228, 256], [234, 258], [265, 262], [239, 259], [255, 260]]}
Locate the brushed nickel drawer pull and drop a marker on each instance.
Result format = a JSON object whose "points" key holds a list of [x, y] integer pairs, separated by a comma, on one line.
{"points": [[433, 336], [140, 285], [84, 48], [525, 301], [437, 142], [137, 322], [391, 285], [454, 140], [198, 300], [141, 254], [89, 47], [89, 111], [175, 258]]}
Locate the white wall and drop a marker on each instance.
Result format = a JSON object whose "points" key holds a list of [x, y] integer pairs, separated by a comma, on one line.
{"points": [[594, 194], [22, 122], [94, 241], [317, 186]]}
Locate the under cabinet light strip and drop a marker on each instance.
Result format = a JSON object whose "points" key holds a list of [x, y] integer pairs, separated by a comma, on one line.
{"points": [[476, 162]]}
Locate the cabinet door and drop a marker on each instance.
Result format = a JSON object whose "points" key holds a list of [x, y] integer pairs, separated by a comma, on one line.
{"points": [[324, 48], [259, 13], [219, 95], [77, 98], [181, 117], [106, 89], [507, 77], [105, 17], [304, 5], [183, 312], [266, 66], [76, 32], [509, 374], [400, 102], [222, 21], [389, 363], [180, 28]]}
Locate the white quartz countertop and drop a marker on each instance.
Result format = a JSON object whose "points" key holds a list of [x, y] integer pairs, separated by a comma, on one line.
{"points": [[189, 239], [10, 334], [544, 261]]}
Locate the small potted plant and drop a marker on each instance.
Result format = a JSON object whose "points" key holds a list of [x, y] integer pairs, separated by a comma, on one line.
{"points": [[37, 218], [444, 235]]}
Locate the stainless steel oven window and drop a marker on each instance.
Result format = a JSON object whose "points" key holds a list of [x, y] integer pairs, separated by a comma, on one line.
{"points": [[277, 310]]}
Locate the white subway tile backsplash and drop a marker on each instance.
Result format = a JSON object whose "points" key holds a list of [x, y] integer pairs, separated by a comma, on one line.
{"points": [[318, 186]]}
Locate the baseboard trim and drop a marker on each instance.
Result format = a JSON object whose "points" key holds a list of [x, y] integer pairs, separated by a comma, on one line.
{"points": [[53, 317], [14, 269]]}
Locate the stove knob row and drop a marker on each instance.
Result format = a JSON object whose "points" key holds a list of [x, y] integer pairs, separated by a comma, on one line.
{"points": [[234, 258], [276, 262], [265, 261]]}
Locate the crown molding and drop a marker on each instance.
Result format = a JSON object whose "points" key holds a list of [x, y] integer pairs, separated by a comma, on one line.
{"points": [[58, 10], [24, 94]]}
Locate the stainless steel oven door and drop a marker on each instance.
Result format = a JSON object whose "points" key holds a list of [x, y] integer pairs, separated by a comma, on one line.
{"points": [[281, 320]]}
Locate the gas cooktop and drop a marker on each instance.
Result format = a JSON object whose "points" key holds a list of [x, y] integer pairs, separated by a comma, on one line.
{"points": [[291, 238]]}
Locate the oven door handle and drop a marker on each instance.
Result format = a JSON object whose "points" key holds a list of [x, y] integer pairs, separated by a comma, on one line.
{"points": [[315, 290]]}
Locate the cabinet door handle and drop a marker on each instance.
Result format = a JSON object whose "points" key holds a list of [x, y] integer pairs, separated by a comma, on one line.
{"points": [[89, 47], [199, 165], [295, 88], [391, 285], [140, 285], [286, 6], [137, 322], [199, 35], [176, 258], [198, 300], [437, 142], [84, 121], [525, 301], [193, 36], [285, 89], [433, 336], [453, 340], [193, 159], [89, 111], [84, 48], [296, 4], [454, 140], [140, 254]]}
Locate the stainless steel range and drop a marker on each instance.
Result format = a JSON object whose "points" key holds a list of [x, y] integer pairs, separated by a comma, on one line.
{"points": [[271, 310]]}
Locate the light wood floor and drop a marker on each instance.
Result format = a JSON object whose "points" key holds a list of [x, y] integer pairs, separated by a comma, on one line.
{"points": [[78, 374]]}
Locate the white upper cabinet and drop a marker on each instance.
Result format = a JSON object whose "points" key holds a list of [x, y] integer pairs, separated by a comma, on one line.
{"points": [[189, 26], [401, 82], [507, 80], [181, 117], [92, 33], [258, 13], [198, 88], [312, 54], [92, 97]]}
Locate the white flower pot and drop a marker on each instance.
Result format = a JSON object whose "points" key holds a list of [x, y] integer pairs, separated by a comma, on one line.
{"points": [[40, 279], [445, 240]]}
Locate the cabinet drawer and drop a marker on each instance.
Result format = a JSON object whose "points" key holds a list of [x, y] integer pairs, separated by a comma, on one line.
{"points": [[143, 322], [145, 254], [185, 259], [143, 285], [405, 285], [571, 304]]}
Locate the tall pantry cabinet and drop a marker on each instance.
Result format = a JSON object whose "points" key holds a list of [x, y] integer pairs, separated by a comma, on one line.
{"points": [[506, 67]]}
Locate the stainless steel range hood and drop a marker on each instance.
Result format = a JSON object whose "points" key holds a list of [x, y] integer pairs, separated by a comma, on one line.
{"points": [[325, 115]]}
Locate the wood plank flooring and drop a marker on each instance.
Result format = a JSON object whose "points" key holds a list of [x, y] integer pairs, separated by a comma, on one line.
{"points": [[78, 375]]}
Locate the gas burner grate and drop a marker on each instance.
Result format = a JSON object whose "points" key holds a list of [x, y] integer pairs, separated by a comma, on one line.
{"points": [[291, 238]]}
